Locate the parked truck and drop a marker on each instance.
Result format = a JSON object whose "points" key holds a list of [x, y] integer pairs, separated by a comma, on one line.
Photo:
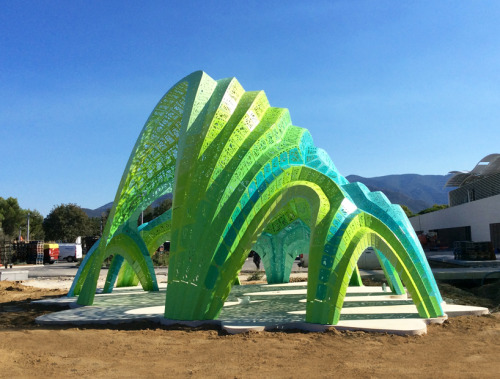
{"points": [[71, 252], [50, 252]]}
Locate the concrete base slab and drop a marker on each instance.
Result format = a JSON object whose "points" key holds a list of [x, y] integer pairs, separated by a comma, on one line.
{"points": [[237, 329], [13, 275], [411, 327], [258, 308], [453, 310]]}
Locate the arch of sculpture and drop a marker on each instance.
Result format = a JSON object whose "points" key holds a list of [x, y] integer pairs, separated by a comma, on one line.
{"points": [[242, 175]]}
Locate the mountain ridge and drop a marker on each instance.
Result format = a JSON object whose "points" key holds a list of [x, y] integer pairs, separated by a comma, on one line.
{"points": [[417, 192], [98, 212]]}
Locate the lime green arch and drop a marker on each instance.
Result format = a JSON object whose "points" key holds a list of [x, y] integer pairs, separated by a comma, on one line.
{"points": [[359, 231], [242, 176], [154, 234]]}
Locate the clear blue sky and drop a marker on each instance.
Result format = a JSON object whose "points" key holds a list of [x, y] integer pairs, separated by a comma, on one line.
{"points": [[386, 87]]}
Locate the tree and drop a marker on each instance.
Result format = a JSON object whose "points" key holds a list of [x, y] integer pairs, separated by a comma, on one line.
{"points": [[94, 226], [1, 229], [164, 206], [408, 211], [65, 222], [434, 208], [96, 223], [36, 224], [11, 216], [151, 213], [148, 214]]}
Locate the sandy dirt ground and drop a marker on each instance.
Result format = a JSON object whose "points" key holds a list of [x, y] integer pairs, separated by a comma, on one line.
{"points": [[464, 347]]}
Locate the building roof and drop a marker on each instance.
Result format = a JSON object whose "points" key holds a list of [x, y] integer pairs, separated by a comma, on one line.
{"points": [[487, 166]]}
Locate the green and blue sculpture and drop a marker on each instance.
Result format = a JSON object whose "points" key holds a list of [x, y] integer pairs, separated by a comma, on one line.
{"points": [[242, 175]]}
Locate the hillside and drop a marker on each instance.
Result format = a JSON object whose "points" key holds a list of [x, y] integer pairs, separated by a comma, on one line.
{"points": [[102, 209], [417, 192], [98, 211]]}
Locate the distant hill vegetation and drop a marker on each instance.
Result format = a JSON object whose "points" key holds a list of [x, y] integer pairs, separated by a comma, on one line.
{"points": [[98, 212], [417, 192]]}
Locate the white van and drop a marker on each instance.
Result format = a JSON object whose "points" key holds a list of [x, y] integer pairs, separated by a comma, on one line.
{"points": [[70, 252]]}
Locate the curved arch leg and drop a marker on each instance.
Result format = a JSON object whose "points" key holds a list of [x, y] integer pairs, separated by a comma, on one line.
{"points": [[114, 269], [87, 293], [355, 280], [391, 275], [254, 228], [136, 255], [377, 204], [362, 230], [154, 234], [83, 270], [126, 276]]}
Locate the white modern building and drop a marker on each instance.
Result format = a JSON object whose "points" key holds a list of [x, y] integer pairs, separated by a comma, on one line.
{"points": [[474, 207]]}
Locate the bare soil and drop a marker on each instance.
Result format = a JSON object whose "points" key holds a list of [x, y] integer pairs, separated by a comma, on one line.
{"points": [[464, 347]]}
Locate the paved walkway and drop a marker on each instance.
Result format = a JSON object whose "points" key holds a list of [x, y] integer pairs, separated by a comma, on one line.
{"points": [[259, 307]]}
